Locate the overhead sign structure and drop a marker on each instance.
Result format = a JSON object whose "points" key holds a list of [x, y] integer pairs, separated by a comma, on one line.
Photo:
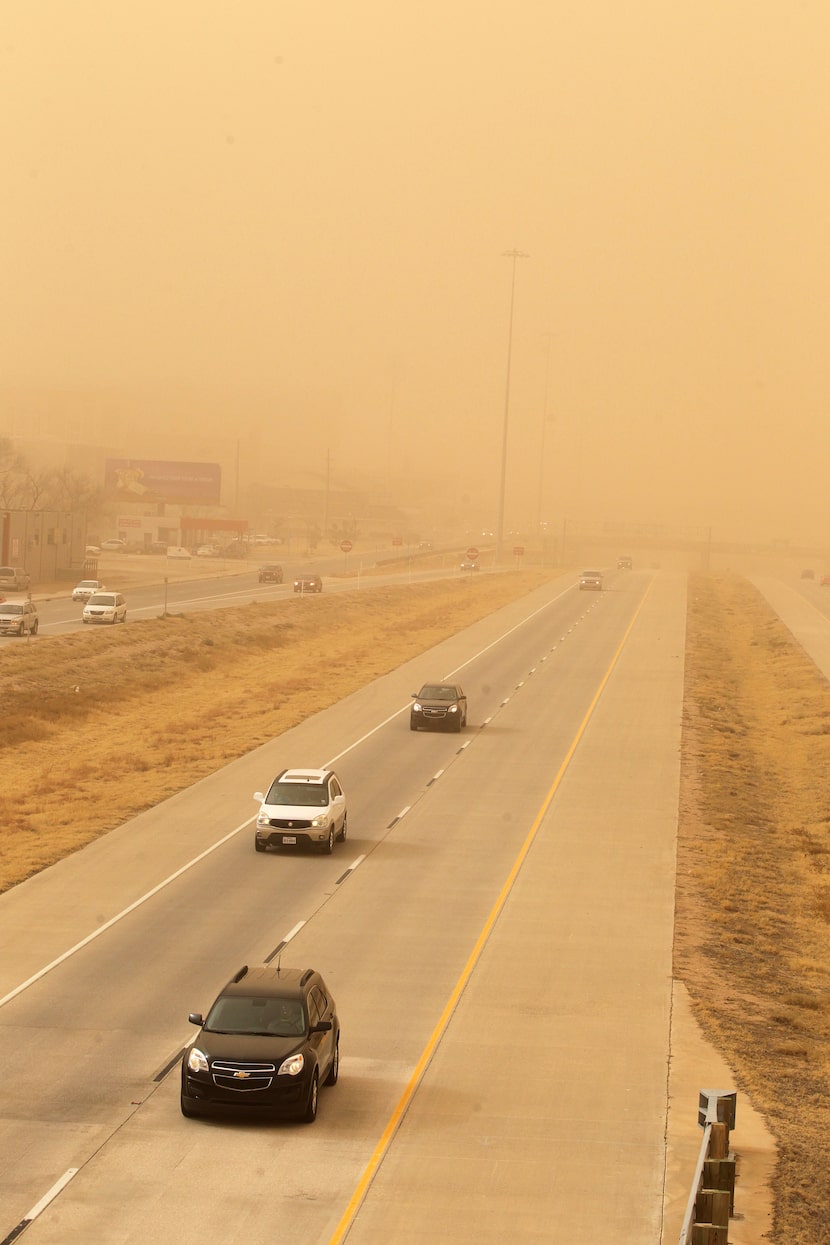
{"points": [[518, 550]]}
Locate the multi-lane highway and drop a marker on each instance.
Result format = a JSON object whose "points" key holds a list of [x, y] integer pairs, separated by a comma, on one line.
{"points": [[497, 930]]}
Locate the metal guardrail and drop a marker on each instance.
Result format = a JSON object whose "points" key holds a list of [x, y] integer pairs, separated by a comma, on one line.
{"points": [[712, 1198]]}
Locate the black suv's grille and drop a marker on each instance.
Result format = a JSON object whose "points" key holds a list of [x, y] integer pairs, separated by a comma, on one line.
{"points": [[283, 823], [242, 1077], [430, 712]]}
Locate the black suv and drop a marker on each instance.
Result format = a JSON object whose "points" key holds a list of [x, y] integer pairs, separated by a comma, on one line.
{"points": [[270, 573], [266, 1045], [439, 704]]}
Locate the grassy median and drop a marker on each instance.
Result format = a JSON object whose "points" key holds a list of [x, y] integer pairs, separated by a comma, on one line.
{"points": [[753, 893]]}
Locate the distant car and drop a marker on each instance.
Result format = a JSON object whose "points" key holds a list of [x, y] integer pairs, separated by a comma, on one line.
{"points": [[825, 581], [591, 580], [262, 539], [156, 546], [438, 704], [268, 1043], [92, 551], [115, 545], [625, 564], [105, 607], [425, 544], [206, 551], [301, 807], [308, 583], [806, 574], [87, 588], [18, 618], [469, 566], [270, 573], [179, 551], [14, 577]]}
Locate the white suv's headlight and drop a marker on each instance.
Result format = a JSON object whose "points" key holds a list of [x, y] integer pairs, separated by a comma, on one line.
{"points": [[262, 818], [321, 821], [292, 1066], [196, 1061]]}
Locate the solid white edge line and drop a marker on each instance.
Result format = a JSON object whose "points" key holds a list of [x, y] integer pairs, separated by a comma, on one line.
{"points": [[120, 915]]}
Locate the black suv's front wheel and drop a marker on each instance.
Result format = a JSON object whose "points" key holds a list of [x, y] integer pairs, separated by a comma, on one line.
{"points": [[310, 1114]]}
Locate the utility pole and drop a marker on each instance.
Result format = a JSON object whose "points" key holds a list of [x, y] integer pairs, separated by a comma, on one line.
{"points": [[512, 255]]}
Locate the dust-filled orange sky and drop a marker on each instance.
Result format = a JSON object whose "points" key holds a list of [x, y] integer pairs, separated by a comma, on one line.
{"points": [[285, 224]]}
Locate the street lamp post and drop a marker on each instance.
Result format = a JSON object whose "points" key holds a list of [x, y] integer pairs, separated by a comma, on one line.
{"points": [[513, 255]]}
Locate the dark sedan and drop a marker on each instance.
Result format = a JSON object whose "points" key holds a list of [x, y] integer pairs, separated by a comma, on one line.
{"points": [[438, 704], [270, 573], [308, 583]]}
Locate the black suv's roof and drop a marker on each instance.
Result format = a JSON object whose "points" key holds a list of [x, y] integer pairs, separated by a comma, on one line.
{"points": [[269, 982]]}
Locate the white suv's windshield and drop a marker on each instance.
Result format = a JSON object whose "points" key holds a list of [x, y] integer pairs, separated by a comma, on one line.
{"points": [[302, 793]]}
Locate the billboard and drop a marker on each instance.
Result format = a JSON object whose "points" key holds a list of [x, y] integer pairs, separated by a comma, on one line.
{"points": [[143, 479]]}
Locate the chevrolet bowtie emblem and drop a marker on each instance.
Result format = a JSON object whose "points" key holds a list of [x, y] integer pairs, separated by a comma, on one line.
{"points": [[241, 1076]]}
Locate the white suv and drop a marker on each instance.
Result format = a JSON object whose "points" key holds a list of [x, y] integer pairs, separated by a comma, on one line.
{"points": [[301, 806]]}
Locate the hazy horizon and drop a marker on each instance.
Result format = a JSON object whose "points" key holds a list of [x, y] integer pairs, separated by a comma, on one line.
{"points": [[287, 228]]}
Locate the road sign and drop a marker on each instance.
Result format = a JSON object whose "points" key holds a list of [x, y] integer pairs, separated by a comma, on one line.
{"points": [[346, 546], [397, 540], [472, 553], [518, 550]]}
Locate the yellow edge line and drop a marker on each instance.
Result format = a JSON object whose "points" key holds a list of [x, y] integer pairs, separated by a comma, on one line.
{"points": [[397, 1115]]}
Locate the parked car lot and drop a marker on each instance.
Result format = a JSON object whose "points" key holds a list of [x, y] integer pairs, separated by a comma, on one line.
{"points": [[267, 1044], [438, 704], [105, 607], [18, 618], [302, 807]]}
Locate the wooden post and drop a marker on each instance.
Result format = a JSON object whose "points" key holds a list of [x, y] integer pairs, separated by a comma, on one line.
{"points": [[720, 1174], [708, 1234], [712, 1206], [719, 1142]]}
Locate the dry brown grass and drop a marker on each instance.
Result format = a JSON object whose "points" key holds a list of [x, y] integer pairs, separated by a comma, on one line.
{"points": [[753, 895], [100, 725]]}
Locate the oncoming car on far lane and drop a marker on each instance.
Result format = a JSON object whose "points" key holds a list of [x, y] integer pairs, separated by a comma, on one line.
{"points": [[87, 588], [308, 583], [302, 806], [105, 607], [438, 704], [268, 1043]]}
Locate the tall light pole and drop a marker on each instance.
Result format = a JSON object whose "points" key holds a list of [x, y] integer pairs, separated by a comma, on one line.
{"points": [[549, 340], [513, 255]]}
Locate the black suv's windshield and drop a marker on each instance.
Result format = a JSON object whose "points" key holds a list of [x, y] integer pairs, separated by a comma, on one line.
{"points": [[436, 692], [253, 1015], [306, 794]]}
